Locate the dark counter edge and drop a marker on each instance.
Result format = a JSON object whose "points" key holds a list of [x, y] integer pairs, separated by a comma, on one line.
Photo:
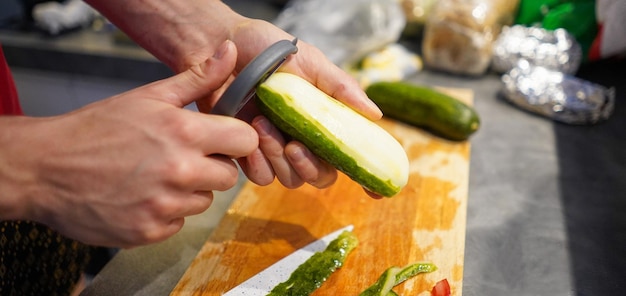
{"points": [[122, 62], [103, 56]]}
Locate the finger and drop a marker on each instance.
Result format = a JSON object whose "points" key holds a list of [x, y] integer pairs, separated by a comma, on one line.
{"points": [[257, 168], [221, 173], [183, 205], [214, 172], [194, 204], [271, 142], [198, 81], [205, 104], [156, 232], [171, 228], [221, 135], [331, 79], [372, 194], [309, 167]]}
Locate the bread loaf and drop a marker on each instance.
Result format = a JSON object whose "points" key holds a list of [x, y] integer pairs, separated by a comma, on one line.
{"points": [[459, 34]]}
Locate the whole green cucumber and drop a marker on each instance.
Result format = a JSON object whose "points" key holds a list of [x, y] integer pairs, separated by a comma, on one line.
{"points": [[426, 108]]}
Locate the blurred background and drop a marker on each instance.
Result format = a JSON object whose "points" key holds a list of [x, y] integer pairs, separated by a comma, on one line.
{"points": [[547, 197], [67, 49]]}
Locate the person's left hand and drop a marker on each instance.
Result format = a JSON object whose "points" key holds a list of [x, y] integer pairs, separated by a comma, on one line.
{"points": [[290, 161]]}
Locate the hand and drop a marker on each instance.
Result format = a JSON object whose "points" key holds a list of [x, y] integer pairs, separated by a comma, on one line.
{"points": [[125, 171], [184, 33], [290, 161]]}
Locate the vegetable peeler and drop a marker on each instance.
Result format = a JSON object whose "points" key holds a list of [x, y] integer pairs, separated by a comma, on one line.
{"points": [[243, 88]]}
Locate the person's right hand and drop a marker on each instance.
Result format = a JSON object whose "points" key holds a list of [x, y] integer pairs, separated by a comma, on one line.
{"points": [[183, 34], [125, 171]]}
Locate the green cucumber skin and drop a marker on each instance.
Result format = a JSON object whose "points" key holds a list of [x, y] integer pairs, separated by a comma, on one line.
{"points": [[394, 276], [311, 274], [300, 128], [414, 269], [384, 284], [424, 107]]}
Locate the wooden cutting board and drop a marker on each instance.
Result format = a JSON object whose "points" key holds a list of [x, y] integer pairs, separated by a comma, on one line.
{"points": [[424, 222]]}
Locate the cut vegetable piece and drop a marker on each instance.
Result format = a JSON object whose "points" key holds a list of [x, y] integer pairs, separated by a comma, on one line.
{"points": [[311, 274], [442, 288], [414, 269], [384, 284], [394, 276], [334, 132]]}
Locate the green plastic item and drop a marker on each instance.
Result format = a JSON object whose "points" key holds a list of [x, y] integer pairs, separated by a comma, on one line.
{"points": [[531, 12], [578, 18]]}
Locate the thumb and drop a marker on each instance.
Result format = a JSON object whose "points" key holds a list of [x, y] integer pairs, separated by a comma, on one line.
{"points": [[199, 80]]}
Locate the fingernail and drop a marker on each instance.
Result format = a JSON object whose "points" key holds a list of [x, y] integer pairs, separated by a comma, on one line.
{"points": [[376, 112], [296, 155], [222, 49]]}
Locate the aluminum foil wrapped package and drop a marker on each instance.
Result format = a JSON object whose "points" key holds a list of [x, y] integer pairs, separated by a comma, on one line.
{"points": [[557, 95], [555, 50]]}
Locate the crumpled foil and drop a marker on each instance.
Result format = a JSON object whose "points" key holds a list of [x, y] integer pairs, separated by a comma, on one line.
{"points": [[555, 50], [557, 95]]}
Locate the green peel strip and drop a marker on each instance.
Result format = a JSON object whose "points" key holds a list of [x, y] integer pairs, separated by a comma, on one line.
{"points": [[394, 276], [311, 274]]}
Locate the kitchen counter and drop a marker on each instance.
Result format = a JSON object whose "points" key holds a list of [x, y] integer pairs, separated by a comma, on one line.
{"points": [[545, 212], [100, 51], [83, 52], [547, 201]]}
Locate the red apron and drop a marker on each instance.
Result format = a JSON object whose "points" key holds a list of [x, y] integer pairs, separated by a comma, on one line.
{"points": [[59, 261], [9, 103]]}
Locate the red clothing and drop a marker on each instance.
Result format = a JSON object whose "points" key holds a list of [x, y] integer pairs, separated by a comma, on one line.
{"points": [[46, 263], [9, 103]]}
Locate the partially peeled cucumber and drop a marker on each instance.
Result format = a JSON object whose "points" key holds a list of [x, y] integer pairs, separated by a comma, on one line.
{"points": [[353, 144]]}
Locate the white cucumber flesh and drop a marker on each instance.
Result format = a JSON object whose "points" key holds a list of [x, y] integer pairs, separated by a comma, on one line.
{"points": [[355, 145]]}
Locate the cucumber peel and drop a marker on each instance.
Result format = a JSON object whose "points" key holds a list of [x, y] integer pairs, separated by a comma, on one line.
{"points": [[311, 274], [394, 276], [353, 144], [384, 284]]}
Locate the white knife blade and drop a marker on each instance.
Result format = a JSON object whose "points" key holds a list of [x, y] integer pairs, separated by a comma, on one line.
{"points": [[263, 282]]}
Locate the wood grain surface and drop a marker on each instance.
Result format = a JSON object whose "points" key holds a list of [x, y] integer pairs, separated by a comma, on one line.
{"points": [[424, 222]]}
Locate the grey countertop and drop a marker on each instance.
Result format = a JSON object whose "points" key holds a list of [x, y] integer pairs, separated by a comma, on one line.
{"points": [[83, 52], [101, 52], [546, 211]]}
